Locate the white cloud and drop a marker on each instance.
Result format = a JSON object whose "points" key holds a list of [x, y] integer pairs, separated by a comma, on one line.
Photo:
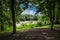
{"points": [[31, 12]]}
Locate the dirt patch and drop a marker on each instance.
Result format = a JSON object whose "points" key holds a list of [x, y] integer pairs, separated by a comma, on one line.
{"points": [[32, 34]]}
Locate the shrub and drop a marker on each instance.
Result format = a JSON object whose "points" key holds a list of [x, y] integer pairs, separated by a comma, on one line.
{"points": [[39, 24]]}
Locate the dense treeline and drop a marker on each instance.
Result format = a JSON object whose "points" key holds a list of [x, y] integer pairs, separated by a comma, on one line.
{"points": [[28, 17]]}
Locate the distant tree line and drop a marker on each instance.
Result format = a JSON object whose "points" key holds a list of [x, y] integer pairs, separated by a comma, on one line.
{"points": [[27, 17]]}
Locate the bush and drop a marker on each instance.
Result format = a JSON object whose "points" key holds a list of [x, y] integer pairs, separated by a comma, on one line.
{"points": [[39, 24]]}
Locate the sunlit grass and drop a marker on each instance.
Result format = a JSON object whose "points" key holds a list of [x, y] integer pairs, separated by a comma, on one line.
{"points": [[26, 27], [7, 29], [23, 28]]}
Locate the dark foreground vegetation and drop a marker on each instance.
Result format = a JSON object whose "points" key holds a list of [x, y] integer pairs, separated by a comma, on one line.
{"points": [[32, 34]]}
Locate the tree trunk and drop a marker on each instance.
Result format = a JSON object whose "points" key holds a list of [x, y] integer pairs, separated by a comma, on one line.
{"points": [[1, 17], [53, 15], [51, 19], [51, 9], [2, 25], [13, 16], [52, 24]]}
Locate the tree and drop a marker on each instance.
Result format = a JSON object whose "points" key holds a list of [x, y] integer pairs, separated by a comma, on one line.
{"points": [[51, 8], [13, 16], [57, 12], [1, 16], [48, 5]]}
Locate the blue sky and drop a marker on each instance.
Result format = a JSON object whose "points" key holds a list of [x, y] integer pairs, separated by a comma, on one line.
{"points": [[29, 10]]}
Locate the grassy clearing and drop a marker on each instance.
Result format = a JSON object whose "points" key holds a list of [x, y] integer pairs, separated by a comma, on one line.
{"points": [[27, 28], [24, 27]]}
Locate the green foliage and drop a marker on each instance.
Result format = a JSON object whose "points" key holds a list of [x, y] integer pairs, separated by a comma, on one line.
{"points": [[7, 29], [30, 25], [27, 17], [39, 24]]}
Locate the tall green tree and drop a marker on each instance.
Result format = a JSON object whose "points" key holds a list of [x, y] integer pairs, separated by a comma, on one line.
{"points": [[57, 11], [48, 5], [1, 16], [51, 11], [13, 15]]}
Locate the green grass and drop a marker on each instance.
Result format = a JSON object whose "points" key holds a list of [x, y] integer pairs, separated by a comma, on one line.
{"points": [[24, 27], [7, 29], [20, 28]]}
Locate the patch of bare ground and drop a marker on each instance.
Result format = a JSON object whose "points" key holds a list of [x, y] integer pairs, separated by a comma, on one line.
{"points": [[32, 34]]}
